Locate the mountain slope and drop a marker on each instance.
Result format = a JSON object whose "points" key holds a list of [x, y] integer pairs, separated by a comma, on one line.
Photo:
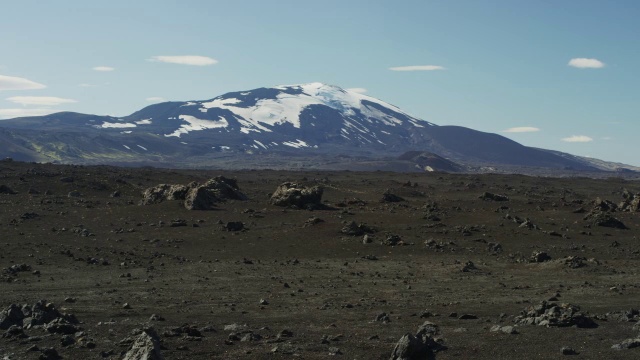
{"points": [[315, 120]]}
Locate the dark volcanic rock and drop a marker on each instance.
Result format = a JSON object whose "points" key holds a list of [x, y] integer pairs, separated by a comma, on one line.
{"points": [[4, 189], [627, 344], [552, 314], [539, 256], [297, 195], [494, 197], [599, 218], [354, 229], [200, 198], [420, 346], [162, 192], [195, 196], [388, 196]]}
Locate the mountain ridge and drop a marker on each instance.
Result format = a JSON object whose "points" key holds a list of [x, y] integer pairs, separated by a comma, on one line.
{"points": [[309, 119]]}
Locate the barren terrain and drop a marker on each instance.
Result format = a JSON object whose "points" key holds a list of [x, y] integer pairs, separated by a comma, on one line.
{"points": [[299, 283]]}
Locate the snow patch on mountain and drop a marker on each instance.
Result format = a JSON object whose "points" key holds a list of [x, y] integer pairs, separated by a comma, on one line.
{"points": [[108, 125], [296, 144], [195, 124]]}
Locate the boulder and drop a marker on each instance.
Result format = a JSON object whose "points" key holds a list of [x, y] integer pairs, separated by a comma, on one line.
{"points": [[200, 198], [600, 218], [296, 195], [146, 346], [420, 346]]}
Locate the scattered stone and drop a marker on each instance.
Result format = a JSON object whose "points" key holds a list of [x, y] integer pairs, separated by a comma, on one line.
{"points": [[627, 344], [295, 195], [511, 330], [4, 189], [333, 351], [574, 262], [74, 194], [234, 226], [251, 336], [383, 318], [565, 350], [389, 197], [539, 256], [393, 240], [493, 197], [313, 221], [467, 317], [354, 229], [469, 267], [50, 354]]}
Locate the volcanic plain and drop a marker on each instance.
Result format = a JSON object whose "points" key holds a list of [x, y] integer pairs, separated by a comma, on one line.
{"points": [[503, 266]]}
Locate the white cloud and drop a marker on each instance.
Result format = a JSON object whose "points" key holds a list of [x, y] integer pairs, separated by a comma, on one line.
{"points": [[577, 138], [357, 90], [85, 85], [584, 63], [195, 60], [607, 138], [17, 83], [103, 68], [12, 113], [417, 68], [39, 100], [522, 129], [155, 99]]}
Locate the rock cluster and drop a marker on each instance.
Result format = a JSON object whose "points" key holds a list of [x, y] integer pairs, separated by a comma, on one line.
{"points": [[552, 314], [40, 313], [195, 196]]}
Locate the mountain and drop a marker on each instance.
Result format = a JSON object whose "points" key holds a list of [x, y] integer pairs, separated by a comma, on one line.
{"points": [[309, 123]]}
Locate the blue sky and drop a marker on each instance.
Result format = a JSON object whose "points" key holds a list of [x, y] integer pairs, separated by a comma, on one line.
{"points": [[487, 65]]}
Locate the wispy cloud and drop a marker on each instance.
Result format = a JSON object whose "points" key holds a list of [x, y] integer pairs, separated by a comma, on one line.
{"points": [[39, 100], [358, 90], [607, 138], [577, 138], [522, 129], [194, 60], [85, 85], [12, 113], [418, 68], [18, 83], [103, 68], [155, 99], [585, 63]]}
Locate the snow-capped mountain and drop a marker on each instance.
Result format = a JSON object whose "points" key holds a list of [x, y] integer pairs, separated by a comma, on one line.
{"points": [[295, 120], [297, 116]]}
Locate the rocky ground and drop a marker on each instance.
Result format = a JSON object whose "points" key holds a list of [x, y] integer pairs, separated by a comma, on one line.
{"points": [[333, 264]]}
